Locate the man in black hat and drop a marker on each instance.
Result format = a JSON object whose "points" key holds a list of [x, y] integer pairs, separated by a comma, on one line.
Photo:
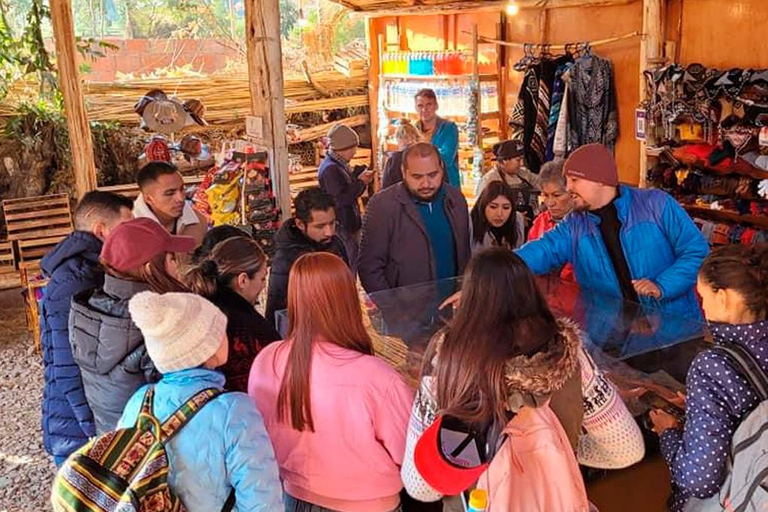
{"points": [[510, 168]]}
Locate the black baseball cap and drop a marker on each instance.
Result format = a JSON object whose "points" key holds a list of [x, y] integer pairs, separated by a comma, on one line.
{"points": [[508, 149]]}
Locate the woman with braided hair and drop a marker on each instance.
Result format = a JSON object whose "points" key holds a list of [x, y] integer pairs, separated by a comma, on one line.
{"points": [[232, 276]]}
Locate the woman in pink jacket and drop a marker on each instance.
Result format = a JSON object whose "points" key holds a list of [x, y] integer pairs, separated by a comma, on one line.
{"points": [[337, 416]]}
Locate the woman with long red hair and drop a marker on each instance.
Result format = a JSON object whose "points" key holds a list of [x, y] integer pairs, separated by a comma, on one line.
{"points": [[337, 415]]}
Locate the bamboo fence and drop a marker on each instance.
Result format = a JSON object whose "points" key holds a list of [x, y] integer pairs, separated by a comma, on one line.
{"points": [[226, 97]]}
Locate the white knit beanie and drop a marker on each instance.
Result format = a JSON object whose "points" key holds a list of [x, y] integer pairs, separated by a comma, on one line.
{"points": [[181, 330]]}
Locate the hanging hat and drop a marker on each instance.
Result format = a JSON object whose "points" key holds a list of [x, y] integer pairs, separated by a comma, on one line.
{"points": [[508, 149], [451, 455], [181, 330], [191, 146], [164, 116], [342, 137], [157, 150], [592, 162], [196, 110], [149, 97]]}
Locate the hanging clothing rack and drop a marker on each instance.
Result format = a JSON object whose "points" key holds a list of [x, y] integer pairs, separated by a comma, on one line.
{"points": [[557, 47]]}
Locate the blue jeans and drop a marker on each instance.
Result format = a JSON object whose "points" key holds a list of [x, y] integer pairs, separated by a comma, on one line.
{"points": [[295, 505]]}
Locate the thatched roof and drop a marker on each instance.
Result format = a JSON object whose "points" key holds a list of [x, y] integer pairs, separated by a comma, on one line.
{"points": [[395, 7]]}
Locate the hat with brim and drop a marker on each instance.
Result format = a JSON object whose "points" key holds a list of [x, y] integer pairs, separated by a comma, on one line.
{"points": [[136, 242], [165, 116], [450, 455], [508, 150]]}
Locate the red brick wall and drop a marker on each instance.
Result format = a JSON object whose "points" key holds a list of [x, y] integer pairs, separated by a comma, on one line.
{"points": [[141, 56]]}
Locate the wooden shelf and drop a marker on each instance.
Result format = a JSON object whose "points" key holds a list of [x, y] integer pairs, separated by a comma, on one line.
{"points": [[483, 116], [727, 216], [462, 78]]}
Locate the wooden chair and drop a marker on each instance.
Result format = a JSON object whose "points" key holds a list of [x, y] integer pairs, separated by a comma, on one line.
{"points": [[36, 225], [37, 217], [9, 277], [30, 254]]}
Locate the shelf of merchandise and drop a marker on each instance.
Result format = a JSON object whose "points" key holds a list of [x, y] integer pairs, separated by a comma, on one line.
{"points": [[477, 138], [421, 78], [727, 216]]}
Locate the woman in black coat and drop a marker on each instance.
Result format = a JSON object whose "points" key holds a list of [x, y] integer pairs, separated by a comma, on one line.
{"points": [[233, 276]]}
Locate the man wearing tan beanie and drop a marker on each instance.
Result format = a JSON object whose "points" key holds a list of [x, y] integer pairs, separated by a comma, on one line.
{"points": [[638, 244], [345, 185]]}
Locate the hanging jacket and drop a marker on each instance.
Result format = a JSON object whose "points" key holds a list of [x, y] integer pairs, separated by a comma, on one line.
{"points": [[224, 446], [247, 331], [72, 267], [592, 110], [336, 180], [109, 349], [446, 139], [290, 244], [718, 398], [660, 243]]}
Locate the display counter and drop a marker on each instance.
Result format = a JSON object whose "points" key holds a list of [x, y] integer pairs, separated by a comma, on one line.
{"points": [[641, 347]]}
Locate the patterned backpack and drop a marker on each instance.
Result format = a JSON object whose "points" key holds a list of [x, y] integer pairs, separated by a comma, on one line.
{"points": [[127, 470]]}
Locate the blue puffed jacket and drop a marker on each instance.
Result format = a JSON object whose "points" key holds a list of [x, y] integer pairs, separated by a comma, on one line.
{"points": [[224, 446], [660, 243], [72, 267]]}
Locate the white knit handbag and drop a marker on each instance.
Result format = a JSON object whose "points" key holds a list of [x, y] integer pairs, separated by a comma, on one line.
{"points": [[611, 438]]}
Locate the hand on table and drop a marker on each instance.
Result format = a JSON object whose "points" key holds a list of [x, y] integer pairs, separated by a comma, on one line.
{"points": [[647, 288], [662, 421]]}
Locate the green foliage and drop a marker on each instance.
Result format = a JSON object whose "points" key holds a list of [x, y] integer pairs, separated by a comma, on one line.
{"points": [[25, 54], [289, 17]]}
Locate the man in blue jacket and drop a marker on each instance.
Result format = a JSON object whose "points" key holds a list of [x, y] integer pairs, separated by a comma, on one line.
{"points": [[635, 244], [72, 267], [441, 133]]}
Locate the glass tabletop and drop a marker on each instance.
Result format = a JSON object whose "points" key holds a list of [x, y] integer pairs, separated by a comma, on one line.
{"points": [[633, 341]]}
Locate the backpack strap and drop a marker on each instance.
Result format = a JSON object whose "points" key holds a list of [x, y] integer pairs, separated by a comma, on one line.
{"points": [[747, 366], [186, 412], [147, 419]]}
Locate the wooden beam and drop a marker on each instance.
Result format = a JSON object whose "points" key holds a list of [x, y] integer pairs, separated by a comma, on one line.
{"points": [[651, 55], [83, 164], [265, 76], [454, 7], [375, 43]]}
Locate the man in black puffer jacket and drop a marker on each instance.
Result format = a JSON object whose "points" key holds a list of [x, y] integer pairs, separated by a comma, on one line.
{"points": [[313, 229]]}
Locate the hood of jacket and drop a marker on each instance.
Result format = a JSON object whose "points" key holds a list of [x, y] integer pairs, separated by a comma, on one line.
{"points": [[80, 244], [101, 330], [547, 371]]}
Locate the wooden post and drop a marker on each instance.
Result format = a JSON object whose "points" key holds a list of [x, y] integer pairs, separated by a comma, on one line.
{"points": [[501, 70], [265, 76], [651, 55], [375, 42], [83, 164]]}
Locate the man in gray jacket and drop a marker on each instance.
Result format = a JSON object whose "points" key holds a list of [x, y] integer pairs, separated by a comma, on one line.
{"points": [[417, 230]]}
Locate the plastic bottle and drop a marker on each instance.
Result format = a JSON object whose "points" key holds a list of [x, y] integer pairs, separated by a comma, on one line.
{"points": [[478, 501]]}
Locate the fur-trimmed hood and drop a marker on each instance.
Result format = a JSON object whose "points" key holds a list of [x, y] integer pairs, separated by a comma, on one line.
{"points": [[546, 372]]}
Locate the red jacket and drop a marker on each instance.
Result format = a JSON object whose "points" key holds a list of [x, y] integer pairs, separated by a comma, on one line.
{"points": [[541, 225]]}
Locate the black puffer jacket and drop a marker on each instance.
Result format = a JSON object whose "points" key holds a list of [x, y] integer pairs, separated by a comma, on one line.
{"points": [[109, 349], [290, 244]]}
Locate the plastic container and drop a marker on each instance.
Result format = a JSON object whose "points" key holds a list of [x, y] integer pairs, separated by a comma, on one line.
{"points": [[478, 501]]}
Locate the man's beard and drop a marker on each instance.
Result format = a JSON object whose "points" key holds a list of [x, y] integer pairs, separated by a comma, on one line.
{"points": [[428, 199]]}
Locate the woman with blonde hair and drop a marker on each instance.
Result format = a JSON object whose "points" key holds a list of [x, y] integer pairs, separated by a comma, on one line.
{"points": [[406, 135], [232, 277], [333, 411]]}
